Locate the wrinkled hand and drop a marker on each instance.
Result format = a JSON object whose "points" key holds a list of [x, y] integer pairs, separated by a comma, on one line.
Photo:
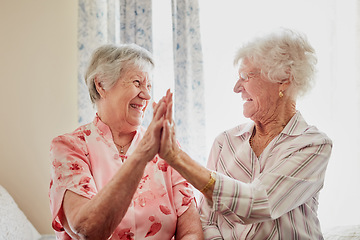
{"points": [[150, 144], [169, 148]]}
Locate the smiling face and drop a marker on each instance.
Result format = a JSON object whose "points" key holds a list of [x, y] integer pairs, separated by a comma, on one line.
{"points": [[122, 107], [260, 96]]}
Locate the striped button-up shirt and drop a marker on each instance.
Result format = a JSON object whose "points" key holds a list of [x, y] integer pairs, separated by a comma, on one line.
{"points": [[273, 196]]}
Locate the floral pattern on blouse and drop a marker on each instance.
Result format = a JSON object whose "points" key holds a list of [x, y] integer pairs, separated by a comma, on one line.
{"points": [[85, 160]]}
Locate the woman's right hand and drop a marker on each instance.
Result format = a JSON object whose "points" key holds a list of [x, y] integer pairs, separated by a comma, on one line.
{"points": [[150, 144]]}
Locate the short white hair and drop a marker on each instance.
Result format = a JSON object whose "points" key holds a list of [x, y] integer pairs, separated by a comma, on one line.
{"points": [[109, 61], [281, 55]]}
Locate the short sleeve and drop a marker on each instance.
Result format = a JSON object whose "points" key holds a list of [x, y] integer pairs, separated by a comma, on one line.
{"points": [[69, 171], [182, 192]]}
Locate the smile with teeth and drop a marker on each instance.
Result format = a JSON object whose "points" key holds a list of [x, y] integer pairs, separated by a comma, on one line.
{"points": [[136, 106], [248, 100]]}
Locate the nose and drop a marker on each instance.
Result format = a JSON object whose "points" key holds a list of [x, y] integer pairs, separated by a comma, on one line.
{"points": [[145, 94], [238, 86]]}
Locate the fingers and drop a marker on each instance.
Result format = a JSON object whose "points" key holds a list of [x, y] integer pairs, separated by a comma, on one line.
{"points": [[156, 105], [159, 111], [165, 135], [168, 114], [167, 95], [168, 101], [168, 135], [165, 140]]}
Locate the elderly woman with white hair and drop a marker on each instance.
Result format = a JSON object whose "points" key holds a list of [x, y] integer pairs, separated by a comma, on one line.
{"points": [[107, 180], [263, 177]]}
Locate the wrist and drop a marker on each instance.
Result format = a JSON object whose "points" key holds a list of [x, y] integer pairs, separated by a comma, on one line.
{"points": [[209, 187], [174, 158], [139, 158]]}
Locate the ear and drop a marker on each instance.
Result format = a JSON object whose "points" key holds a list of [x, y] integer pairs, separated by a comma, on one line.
{"points": [[284, 85], [99, 88]]}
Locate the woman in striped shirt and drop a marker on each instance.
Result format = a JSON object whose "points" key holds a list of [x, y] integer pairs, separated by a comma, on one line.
{"points": [[263, 178]]}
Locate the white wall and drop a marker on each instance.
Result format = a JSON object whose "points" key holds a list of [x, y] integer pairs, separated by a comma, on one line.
{"points": [[38, 75]]}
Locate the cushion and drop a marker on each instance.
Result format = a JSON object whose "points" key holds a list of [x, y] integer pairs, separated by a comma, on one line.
{"points": [[13, 222], [343, 233]]}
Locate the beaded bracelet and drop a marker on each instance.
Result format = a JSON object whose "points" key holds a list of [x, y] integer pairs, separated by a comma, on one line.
{"points": [[210, 183]]}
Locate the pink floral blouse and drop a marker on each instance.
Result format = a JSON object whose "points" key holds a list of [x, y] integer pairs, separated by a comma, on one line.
{"points": [[85, 160]]}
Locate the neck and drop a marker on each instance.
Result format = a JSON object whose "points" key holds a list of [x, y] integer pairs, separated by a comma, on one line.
{"points": [[274, 123], [122, 143], [123, 140], [267, 128], [122, 136]]}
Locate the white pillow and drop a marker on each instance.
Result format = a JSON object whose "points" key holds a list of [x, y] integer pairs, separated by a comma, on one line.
{"points": [[343, 233], [13, 222]]}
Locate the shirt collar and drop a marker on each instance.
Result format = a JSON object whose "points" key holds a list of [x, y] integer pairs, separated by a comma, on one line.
{"points": [[296, 126], [103, 128], [105, 131], [248, 128]]}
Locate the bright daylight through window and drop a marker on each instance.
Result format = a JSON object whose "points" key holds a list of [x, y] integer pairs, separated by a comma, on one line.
{"points": [[332, 104]]}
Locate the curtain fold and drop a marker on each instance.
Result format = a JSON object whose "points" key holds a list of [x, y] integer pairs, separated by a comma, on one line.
{"points": [[136, 27], [136, 22], [189, 82], [109, 21], [98, 23], [130, 21]]}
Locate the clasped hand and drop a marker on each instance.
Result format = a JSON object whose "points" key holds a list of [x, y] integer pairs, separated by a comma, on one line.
{"points": [[160, 136]]}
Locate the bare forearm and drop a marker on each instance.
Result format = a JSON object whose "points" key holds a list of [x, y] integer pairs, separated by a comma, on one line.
{"points": [[191, 236], [192, 171], [189, 225], [102, 214]]}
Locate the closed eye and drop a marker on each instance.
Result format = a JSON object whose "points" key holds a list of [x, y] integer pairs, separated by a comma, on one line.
{"points": [[136, 83]]}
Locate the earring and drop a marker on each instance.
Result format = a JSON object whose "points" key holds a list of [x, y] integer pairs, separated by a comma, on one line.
{"points": [[281, 94]]}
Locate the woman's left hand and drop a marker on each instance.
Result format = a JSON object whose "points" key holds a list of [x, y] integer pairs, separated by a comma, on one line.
{"points": [[170, 151], [169, 147]]}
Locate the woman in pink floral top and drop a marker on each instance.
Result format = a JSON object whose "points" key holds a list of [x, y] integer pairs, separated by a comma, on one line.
{"points": [[107, 180]]}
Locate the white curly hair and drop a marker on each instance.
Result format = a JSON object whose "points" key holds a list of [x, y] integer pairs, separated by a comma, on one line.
{"points": [[282, 55], [109, 61]]}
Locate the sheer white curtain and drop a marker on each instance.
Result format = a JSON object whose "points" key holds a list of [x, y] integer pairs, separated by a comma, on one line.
{"points": [[179, 66], [109, 21], [333, 105], [189, 82], [177, 51], [136, 27], [98, 23]]}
